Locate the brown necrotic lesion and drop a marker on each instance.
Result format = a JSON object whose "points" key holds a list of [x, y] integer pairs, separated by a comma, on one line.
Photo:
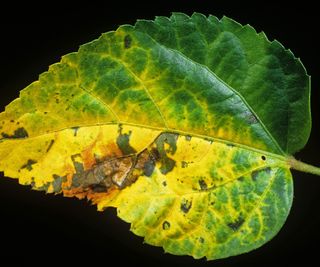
{"points": [[118, 172], [113, 173]]}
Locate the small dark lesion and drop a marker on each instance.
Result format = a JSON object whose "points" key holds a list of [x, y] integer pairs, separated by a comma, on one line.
{"points": [[185, 205], [203, 185], [75, 130], [29, 164], [127, 41], [184, 164], [165, 225], [236, 224], [50, 145], [18, 133]]}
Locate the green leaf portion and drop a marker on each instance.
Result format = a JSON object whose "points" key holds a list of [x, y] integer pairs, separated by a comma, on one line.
{"points": [[271, 80]]}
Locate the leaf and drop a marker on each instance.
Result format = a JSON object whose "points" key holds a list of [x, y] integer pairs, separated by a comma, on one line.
{"points": [[184, 124]]}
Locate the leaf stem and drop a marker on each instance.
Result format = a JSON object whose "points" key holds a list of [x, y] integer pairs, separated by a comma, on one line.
{"points": [[303, 167]]}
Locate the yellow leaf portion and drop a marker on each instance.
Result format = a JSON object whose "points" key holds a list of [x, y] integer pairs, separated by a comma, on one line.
{"points": [[50, 161]]}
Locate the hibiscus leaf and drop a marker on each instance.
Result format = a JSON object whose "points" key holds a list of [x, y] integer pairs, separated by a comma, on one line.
{"points": [[186, 125]]}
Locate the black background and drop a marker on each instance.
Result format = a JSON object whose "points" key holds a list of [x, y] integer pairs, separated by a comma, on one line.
{"points": [[40, 229]]}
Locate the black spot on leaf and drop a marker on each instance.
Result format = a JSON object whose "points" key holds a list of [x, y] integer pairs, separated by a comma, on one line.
{"points": [[29, 164], [184, 164], [203, 185], [50, 145], [185, 205], [165, 225], [75, 130], [236, 224], [127, 41], [18, 133]]}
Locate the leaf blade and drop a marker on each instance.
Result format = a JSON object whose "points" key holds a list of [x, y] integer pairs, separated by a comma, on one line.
{"points": [[116, 114]]}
